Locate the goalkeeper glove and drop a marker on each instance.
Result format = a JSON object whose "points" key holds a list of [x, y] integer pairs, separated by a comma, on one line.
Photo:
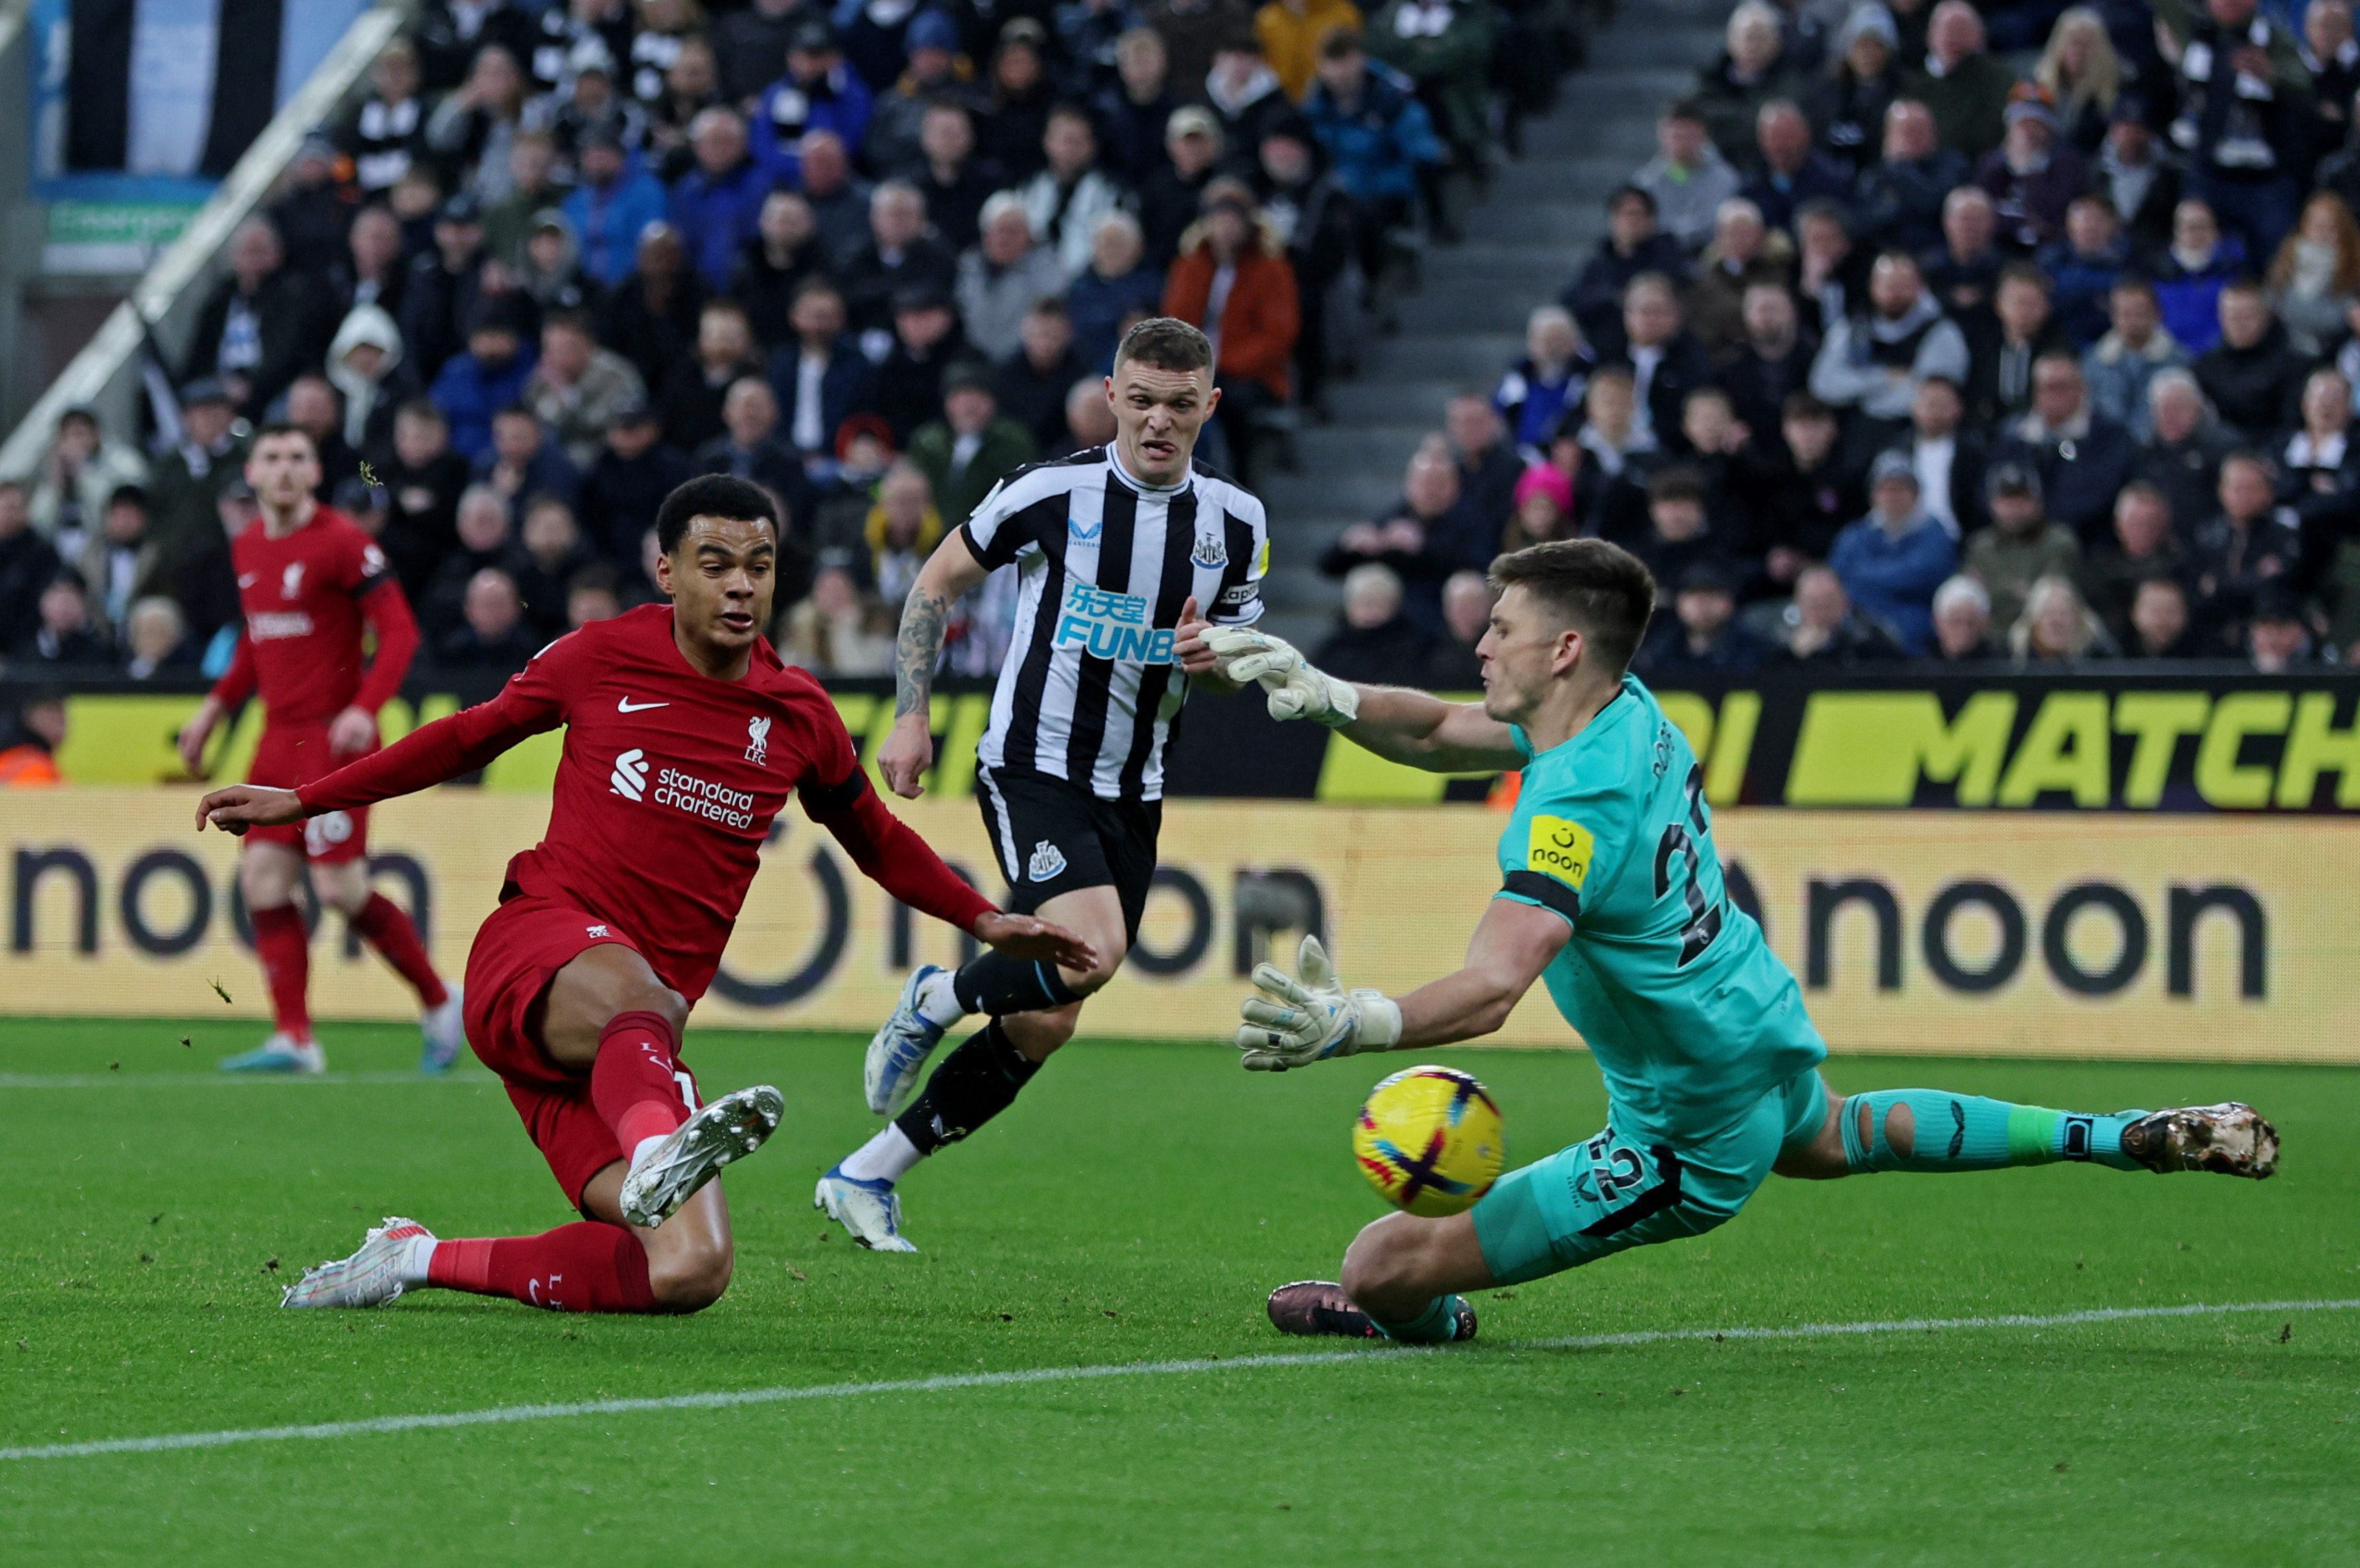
{"points": [[1297, 688], [1296, 1021]]}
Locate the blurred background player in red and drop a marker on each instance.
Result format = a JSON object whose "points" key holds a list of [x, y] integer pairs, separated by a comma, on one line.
{"points": [[307, 580], [684, 732]]}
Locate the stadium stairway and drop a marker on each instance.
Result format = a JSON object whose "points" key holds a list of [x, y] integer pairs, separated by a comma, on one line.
{"points": [[1465, 327]]}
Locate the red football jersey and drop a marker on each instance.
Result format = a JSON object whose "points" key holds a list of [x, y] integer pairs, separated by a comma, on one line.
{"points": [[302, 595], [666, 788]]}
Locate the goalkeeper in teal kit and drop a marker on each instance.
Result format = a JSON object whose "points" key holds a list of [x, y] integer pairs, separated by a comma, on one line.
{"points": [[1611, 892]]}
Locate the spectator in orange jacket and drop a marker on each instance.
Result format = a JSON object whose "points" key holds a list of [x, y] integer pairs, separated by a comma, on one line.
{"points": [[1233, 280]]}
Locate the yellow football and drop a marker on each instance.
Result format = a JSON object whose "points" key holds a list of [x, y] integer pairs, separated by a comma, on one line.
{"points": [[1430, 1139]]}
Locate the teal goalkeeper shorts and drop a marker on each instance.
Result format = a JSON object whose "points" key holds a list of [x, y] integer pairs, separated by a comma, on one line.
{"points": [[1612, 1192]]}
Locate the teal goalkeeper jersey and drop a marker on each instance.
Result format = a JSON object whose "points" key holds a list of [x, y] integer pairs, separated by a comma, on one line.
{"points": [[1691, 1016]]}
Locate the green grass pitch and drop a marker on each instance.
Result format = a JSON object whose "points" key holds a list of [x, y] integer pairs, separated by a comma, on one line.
{"points": [[1135, 1207]]}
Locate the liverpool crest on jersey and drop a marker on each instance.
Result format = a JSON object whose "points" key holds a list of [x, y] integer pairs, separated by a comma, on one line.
{"points": [[758, 741]]}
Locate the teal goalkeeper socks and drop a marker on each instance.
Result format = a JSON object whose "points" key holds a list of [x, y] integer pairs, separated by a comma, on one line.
{"points": [[1438, 1324], [1967, 1132]]}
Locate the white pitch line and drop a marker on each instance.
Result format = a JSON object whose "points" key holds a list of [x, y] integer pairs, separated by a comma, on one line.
{"points": [[187, 1080], [730, 1399]]}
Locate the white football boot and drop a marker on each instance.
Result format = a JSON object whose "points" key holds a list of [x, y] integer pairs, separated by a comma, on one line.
{"points": [[670, 1173], [2227, 1139], [900, 1048], [279, 1054], [371, 1277], [870, 1210], [444, 1032]]}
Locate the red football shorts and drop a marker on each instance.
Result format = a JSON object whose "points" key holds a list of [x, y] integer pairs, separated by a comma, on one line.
{"points": [[518, 952], [289, 757]]}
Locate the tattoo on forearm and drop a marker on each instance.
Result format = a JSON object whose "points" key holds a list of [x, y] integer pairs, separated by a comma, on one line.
{"points": [[919, 648]]}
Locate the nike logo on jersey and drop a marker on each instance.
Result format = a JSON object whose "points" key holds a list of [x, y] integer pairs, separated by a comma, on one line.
{"points": [[628, 706]]}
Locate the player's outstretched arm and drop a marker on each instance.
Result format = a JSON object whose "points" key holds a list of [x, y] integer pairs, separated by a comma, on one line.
{"points": [[949, 574], [1397, 723], [1296, 1019]]}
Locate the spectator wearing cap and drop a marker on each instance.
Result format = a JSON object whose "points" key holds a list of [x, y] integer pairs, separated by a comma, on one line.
{"points": [[1171, 197], [315, 207], [1192, 30], [1002, 275], [1034, 382], [2281, 638], [898, 255], [1752, 70], [2244, 100], [2082, 457], [1631, 245], [2121, 364], [2021, 329], [718, 206], [2142, 547], [487, 377], [315, 406], [2254, 376], [476, 122], [818, 92], [1892, 560], [67, 632], [550, 274], [2192, 273], [261, 324], [625, 486], [1373, 641], [1961, 622], [2030, 176], [2250, 542], [1862, 78], [1289, 32], [1378, 138], [1020, 95], [1244, 94], [612, 203], [1822, 630], [2135, 179], [1232, 279], [2021, 546], [2183, 452], [1965, 87], [1118, 288], [444, 287], [820, 375], [386, 131], [2084, 265], [1948, 456], [690, 399], [1688, 177], [27, 561], [907, 389], [964, 453], [1134, 110], [1703, 635], [1902, 197], [1964, 272], [1064, 202], [81, 469], [1787, 170], [894, 146], [1870, 362], [188, 478]]}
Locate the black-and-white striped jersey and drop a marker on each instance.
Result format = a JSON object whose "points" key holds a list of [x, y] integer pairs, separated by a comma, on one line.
{"points": [[1105, 564]]}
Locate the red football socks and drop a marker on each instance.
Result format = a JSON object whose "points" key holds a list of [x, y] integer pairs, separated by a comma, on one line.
{"points": [[581, 1267], [285, 950], [632, 1083], [383, 926]]}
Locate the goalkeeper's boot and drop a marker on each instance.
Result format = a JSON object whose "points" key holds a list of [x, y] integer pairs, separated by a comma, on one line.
{"points": [[901, 1046], [2227, 1139], [668, 1174], [369, 1278], [870, 1210], [1320, 1306], [444, 1032], [279, 1054]]}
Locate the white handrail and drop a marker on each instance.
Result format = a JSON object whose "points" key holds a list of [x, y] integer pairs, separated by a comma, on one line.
{"points": [[104, 374]]}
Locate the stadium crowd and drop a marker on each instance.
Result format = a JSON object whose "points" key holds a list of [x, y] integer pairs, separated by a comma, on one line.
{"points": [[1933, 333]]}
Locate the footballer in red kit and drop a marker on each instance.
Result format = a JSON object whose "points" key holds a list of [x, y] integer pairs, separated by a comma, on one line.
{"points": [[684, 734], [309, 581]]}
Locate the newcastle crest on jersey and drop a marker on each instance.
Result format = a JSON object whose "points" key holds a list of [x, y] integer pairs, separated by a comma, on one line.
{"points": [[1211, 550]]}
